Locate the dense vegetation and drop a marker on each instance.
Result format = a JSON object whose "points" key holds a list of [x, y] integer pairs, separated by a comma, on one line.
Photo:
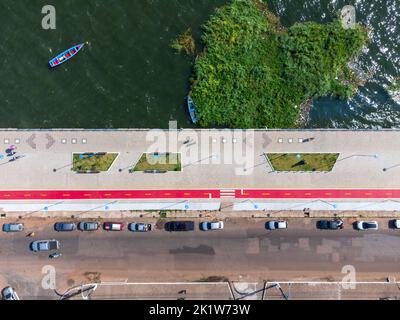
{"points": [[253, 73], [395, 85], [394, 90]]}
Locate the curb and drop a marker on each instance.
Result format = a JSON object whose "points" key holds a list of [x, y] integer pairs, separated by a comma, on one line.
{"points": [[201, 214]]}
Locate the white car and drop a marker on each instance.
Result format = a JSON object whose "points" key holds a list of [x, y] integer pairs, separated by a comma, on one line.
{"points": [[274, 225], [139, 227], [214, 225], [9, 293], [367, 225], [396, 224]]}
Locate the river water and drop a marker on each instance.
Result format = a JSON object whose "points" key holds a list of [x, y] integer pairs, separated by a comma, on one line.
{"points": [[127, 76]]}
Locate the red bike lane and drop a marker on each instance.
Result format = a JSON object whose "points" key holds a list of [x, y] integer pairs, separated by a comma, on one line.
{"points": [[200, 194]]}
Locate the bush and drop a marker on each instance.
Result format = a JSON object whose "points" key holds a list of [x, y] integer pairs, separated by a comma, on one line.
{"points": [[185, 42]]}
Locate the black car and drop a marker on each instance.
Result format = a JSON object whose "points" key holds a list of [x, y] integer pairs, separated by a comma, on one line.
{"points": [[179, 226], [65, 226], [330, 224]]}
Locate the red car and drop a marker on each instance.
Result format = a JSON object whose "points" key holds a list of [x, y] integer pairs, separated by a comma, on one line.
{"points": [[113, 226]]}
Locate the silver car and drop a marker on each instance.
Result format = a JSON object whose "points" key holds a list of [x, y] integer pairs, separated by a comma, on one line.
{"points": [[45, 245], [64, 226], [13, 227], [8, 293], [88, 226]]}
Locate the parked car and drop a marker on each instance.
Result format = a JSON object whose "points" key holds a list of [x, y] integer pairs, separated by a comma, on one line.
{"points": [[55, 255], [139, 227], [367, 225], [9, 293], [65, 226], [113, 226], [396, 224], [214, 225], [274, 225], [13, 227], [179, 226], [88, 226], [45, 245], [330, 224]]}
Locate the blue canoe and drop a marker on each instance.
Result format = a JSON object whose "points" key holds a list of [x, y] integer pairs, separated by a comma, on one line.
{"points": [[66, 55], [191, 109]]}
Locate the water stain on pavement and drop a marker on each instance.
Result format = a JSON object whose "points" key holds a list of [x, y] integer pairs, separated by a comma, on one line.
{"points": [[201, 249]]}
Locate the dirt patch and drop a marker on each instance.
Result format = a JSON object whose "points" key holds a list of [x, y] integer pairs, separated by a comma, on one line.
{"points": [[93, 277], [160, 224], [70, 282]]}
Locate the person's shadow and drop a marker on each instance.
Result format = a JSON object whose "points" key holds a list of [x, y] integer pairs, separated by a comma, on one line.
{"points": [[10, 152]]}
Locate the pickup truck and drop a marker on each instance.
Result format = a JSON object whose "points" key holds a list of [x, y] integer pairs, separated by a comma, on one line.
{"points": [[179, 226], [45, 245]]}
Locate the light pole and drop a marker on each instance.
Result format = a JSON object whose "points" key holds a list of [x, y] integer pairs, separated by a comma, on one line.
{"points": [[375, 156], [392, 167], [255, 206], [81, 158]]}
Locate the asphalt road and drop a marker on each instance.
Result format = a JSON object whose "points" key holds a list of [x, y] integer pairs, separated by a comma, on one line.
{"points": [[243, 251]]}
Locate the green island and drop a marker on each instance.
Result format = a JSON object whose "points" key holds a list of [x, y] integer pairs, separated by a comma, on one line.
{"points": [[302, 161], [93, 161], [159, 161], [253, 73]]}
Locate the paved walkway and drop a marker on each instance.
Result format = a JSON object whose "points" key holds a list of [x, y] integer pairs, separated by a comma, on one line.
{"points": [[216, 164]]}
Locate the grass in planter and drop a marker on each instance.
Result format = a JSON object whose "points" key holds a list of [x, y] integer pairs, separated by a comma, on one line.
{"points": [[93, 162], [302, 161], [161, 161]]}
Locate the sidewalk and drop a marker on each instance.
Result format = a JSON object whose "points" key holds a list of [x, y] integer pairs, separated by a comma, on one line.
{"points": [[220, 159], [223, 214]]}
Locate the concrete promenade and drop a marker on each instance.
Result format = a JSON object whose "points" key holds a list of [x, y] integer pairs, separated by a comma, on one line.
{"points": [[226, 165]]}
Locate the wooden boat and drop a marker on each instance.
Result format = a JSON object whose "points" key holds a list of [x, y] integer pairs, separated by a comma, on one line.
{"points": [[66, 55], [191, 109]]}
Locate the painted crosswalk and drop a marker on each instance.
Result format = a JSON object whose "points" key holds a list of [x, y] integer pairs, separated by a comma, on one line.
{"points": [[227, 193]]}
